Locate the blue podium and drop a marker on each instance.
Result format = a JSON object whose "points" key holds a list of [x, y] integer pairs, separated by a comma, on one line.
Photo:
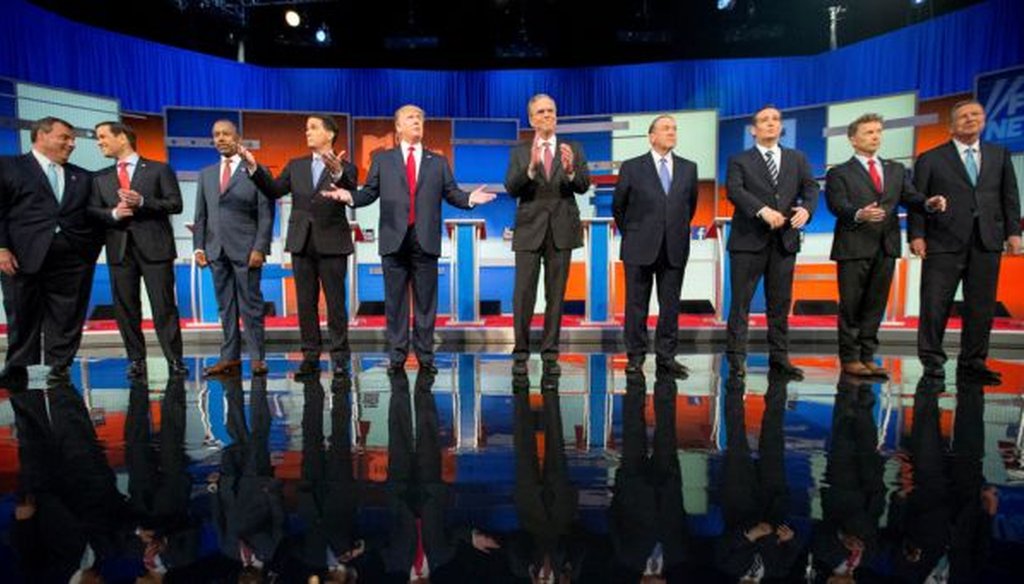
{"points": [[597, 244], [466, 235]]}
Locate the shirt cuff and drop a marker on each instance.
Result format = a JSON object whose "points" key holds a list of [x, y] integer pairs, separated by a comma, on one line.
{"points": [[113, 213], [142, 201]]}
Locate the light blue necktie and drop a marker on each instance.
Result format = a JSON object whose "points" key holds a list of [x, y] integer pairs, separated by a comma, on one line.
{"points": [[51, 175], [666, 178], [318, 170], [972, 166]]}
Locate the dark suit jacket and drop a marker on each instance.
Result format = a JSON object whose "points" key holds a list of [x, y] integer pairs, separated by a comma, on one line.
{"points": [[646, 215], [387, 181], [543, 202], [237, 222], [940, 171], [312, 215], [749, 188], [150, 226], [30, 215], [848, 188]]}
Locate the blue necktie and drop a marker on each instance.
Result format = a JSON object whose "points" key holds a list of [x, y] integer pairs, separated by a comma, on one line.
{"points": [[972, 166], [666, 178], [51, 175], [318, 170]]}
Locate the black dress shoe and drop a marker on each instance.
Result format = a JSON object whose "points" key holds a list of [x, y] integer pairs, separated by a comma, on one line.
{"points": [[137, 368], [737, 366], [635, 366], [308, 367], [674, 368], [59, 374], [177, 367], [787, 368], [979, 371], [428, 368], [935, 371], [552, 368], [520, 367]]}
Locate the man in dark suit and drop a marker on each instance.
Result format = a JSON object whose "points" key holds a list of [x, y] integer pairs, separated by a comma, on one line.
{"points": [[48, 250], [965, 244], [410, 181], [134, 199], [775, 194], [233, 226], [319, 239], [863, 194], [653, 205], [544, 175]]}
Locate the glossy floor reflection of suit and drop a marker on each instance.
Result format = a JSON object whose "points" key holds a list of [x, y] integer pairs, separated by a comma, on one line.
{"points": [[846, 542], [69, 516], [943, 521], [647, 520], [246, 499], [758, 541], [421, 546], [326, 545], [159, 485], [549, 545]]}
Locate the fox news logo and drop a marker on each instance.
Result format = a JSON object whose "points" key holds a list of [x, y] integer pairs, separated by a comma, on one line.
{"points": [[1003, 97]]}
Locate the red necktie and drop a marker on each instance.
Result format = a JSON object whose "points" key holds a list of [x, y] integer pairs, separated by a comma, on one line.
{"points": [[875, 177], [548, 160], [410, 175], [122, 176], [421, 556], [225, 175]]}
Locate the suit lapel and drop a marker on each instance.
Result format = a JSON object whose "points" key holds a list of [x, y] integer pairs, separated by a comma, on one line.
{"points": [[652, 170], [425, 164], [30, 164], [677, 174], [235, 176], [141, 168], [72, 181], [865, 178], [953, 159], [399, 162], [304, 174], [987, 165], [758, 161]]}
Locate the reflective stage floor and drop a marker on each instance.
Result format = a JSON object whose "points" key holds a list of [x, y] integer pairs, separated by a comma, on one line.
{"points": [[592, 476]]}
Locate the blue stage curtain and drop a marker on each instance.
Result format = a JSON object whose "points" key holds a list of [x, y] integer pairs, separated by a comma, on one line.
{"points": [[938, 57]]}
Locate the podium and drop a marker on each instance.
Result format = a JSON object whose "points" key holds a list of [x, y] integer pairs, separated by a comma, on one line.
{"points": [[353, 273], [723, 293], [465, 235], [597, 243]]}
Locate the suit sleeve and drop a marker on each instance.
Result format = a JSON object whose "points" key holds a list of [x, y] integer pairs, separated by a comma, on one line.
{"points": [[915, 218], [620, 198], [745, 202], [371, 190], [694, 190], [6, 196], [199, 223], [808, 187], [837, 197], [96, 210], [349, 177], [271, 187], [1010, 198], [581, 178], [517, 182], [450, 189], [169, 201], [264, 223], [910, 198]]}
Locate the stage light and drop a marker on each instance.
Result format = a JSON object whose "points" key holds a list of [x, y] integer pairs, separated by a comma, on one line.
{"points": [[726, 4], [322, 35], [292, 18]]}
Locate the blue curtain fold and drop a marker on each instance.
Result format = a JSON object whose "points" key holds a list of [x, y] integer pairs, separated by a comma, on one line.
{"points": [[937, 57]]}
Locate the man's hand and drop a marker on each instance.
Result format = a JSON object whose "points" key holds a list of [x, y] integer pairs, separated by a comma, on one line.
{"points": [[332, 161], [870, 213], [800, 218], [919, 247], [338, 194], [1013, 245], [123, 211], [565, 151], [483, 542], [773, 218], [758, 531], [256, 259], [481, 196], [936, 204], [8, 263], [201, 258], [130, 198], [247, 157], [784, 533]]}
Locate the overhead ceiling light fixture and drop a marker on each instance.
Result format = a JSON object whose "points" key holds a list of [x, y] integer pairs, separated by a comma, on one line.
{"points": [[292, 18]]}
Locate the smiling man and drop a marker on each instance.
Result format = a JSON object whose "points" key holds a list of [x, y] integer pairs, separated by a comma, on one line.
{"points": [[48, 250]]}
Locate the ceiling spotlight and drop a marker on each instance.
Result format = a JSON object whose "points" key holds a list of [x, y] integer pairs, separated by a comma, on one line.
{"points": [[292, 18], [726, 4], [322, 35]]}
